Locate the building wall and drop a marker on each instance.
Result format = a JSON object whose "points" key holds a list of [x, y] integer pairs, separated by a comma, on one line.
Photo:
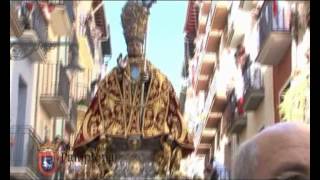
{"points": [[275, 79], [264, 115], [26, 70], [11, 73], [281, 75], [47, 78], [44, 122]]}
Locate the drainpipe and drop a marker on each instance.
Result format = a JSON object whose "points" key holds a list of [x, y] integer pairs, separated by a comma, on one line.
{"points": [[37, 98]]}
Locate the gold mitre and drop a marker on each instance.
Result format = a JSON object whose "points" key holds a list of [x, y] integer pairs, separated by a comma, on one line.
{"points": [[134, 18]]}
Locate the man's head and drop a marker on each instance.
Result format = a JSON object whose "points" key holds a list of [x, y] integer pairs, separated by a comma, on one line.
{"points": [[281, 150]]}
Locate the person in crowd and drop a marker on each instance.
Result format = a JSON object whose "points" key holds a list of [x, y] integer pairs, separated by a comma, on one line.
{"points": [[281, 151], [209, 172], [219, 171]]}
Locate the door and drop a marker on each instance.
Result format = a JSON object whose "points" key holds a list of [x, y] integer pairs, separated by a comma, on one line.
{"points": [[20, 129]]}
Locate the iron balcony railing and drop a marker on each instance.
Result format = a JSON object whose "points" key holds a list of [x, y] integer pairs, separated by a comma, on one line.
{"points": [[253, 78], [69, 8], [39, 24], [31, 17], [24, 149], [236, 120], [198, 130], [231, 110], [90, 38], [68, 5], [73, 58], [19, 13], [55, 81], [189, 50], [72, 120], [203, 115], [82, 93], [106, 44], [210, 95], [273, 19], [182, 98], [56, 2]]}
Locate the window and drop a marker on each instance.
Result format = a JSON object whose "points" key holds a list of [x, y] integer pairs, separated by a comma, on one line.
{"points": [[218, 139], [59, 127]]}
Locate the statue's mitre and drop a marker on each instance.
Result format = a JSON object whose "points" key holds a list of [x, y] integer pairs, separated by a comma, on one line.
{"points": [[134, 20]]}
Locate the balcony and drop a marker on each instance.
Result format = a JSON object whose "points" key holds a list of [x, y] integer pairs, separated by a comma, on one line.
{"points": [[182, 98], [55, 90], [213, 120], [213, 42], [214, 106], [219, 15], [215, 24], [207, 135], [39, 24], [216, 98], [81, 112], [71, 122], [206, 68], [205, 7], [203, 149], [73, 59], [253, 87], [29, 26], [81, 93], [38, 55], [207, 64], [275, 36], [235, 122], [203, 16], [248, 5], [189, 48], [23, 153], [239, 122], [62, 17], [238, 24], [90, 39], [17, 19]]}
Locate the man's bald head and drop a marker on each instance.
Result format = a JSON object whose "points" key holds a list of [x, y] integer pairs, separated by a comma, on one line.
{"points": [[282, 150]]}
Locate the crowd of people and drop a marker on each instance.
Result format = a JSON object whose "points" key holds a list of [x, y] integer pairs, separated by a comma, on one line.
{"points": [[281, 151]]}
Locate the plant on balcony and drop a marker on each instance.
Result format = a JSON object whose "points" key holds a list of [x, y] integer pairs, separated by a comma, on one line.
{"points": [[82, 102], [296, 103]]}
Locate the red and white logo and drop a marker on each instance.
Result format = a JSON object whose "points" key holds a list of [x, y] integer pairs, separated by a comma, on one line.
{"points": [[47, 162]]}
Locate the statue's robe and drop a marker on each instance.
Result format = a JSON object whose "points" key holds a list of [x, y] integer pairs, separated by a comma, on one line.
{"points": [[115, 109]]}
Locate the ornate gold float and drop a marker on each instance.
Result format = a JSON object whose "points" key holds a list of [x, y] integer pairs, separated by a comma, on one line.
{"points": [[133, 127]]}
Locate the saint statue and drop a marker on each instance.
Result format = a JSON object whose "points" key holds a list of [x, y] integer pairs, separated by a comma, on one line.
{"points": [[120, 106], [135, 99]]}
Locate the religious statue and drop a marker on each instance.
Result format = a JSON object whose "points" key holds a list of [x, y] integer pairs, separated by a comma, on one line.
{"points": [[135, 100], [175, 161], [106, 168]]}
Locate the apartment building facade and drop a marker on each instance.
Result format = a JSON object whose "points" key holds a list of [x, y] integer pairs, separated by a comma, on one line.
{"points": [[44, 93], [240, 65]]}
